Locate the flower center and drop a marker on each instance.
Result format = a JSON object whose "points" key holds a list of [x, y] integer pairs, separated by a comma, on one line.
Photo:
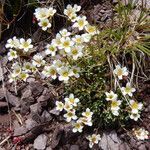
{"points": [[134, 105], [44, 24], [119, 73], [65, 74], [66, 44], [74, 51], [114, 104], [25, 44], [52, 72], [81, 23]]}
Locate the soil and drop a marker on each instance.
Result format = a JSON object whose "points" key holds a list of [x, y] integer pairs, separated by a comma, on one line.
{"points": [[28, 119]]}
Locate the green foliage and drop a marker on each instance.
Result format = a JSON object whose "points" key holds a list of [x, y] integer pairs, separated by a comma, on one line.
{"points": [[124, 36]]}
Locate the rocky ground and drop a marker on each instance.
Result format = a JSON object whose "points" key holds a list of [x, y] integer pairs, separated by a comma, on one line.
{"points": [[28, 119]]}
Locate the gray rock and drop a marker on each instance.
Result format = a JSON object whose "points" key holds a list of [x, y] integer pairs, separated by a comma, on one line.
{"points": [[20, 130], [43, 100], [40, 142], [30, 79], [30, 123], [46, 116], [110, 141], [27, 96], [124, 146], [57, 135], [24, 108], [2, 148], [74, 147], [13, 100], [142, 147], [3, 104], [49, 148], [35, 108], [55, 112], [2, 94], [36, 88]]}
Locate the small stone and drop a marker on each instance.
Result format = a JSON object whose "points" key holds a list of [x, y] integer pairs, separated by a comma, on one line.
{"points": [[30, 79], [2, 94], [35, 108], [46, 116], [142, 147], [55, 112], [3, 104], [40, 142], [13, 100], [26, 94], [74, 147], [43, 100], [57, 135], [20, 130], [2, 148], [36, 88], [24, 108], [124, 146], [110, 140], [49, 148], [30, 123]]}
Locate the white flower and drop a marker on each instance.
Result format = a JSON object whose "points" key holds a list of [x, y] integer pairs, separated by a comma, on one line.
{"points": [[68, 106], [50, 71], [86, 37], [44, 13], [12, 43], [141, 134], [25, 45], [38, 60], [59, 106], [70, 115], [23, 76], [78, 39], [51, 11], [66, 44], [120, 72], [92, 30], [94, 139], [12, 77], [75, 71], [88, 114], [135, 106], [64, 33], [81, 22], [45, 24], [50, 49], [58, 64], [72, 100], [71, 12], [76, 8], [16, 69], [111, 96], [57, 40], [12, 55], [78, 126], [128, 90], [64, 74], [86, 121], [115, 106], [134, 116], [76, 51], [27, 67]]}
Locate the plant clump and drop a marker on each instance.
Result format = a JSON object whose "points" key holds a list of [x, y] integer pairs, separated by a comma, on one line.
{"points": [[99, 90]]}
